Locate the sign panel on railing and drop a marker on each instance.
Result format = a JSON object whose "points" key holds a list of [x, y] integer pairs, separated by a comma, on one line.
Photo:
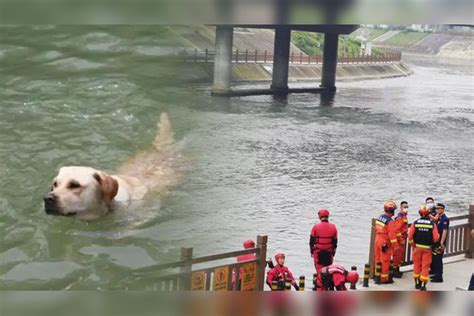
{"points": [[248, 276], [198, 280], [220, 278]]}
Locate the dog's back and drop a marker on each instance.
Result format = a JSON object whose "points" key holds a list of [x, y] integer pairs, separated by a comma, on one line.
{"points": [[154, 167]]}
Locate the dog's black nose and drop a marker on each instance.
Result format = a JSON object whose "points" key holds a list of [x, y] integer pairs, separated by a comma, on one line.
{"points": [[49, 199], [50, 204]]}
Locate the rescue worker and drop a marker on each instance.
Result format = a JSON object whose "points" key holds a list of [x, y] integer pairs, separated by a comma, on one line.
{"points": [[248, 244], [422, 235], [401, 226], [280, 272], [323, 241], [334, 277], [385, 240], [443, 228]]}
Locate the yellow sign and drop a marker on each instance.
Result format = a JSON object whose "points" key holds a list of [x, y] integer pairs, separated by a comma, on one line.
{"points": [[198, 279], [220, 278], [248, 276]]}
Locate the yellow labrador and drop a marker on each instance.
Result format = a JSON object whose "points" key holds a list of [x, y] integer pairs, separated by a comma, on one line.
{"points": [[88, 193]]}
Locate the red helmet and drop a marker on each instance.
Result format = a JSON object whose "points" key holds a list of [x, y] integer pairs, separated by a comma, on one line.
{"points": [[249, 244], [323, 212], [278, 255], [424, 210], [352, 277], [390, 207]]}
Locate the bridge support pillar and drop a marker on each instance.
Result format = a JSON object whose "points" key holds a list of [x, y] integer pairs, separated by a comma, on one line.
{"points": [[281, 56], [223, 60], [328, 78]]}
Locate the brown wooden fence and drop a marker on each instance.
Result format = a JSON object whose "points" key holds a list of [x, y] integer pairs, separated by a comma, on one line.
{"points": [[459, 240], [254, 57], [180, 275]]}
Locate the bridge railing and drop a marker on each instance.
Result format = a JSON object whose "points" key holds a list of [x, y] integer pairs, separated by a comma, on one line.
{"points": [[183, 275], [259, 57], [459, 240]]}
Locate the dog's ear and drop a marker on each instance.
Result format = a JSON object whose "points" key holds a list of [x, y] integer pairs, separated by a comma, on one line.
{"points": [[108, 184]]}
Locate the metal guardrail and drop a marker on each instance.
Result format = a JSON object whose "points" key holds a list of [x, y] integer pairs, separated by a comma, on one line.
{"points": [[256, 57], [171, 280], [459, 240]]}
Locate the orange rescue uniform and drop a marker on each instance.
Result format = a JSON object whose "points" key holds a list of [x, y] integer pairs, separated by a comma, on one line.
{"points": [[422, 235], [385, 242], [401, 226]]}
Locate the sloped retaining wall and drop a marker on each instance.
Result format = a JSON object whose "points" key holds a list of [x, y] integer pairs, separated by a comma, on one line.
{"points": [[202, 72]]}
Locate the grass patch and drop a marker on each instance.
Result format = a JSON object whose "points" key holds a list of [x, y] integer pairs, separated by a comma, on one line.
{"points": [[313, 43], [374, 33], [405, 38]]}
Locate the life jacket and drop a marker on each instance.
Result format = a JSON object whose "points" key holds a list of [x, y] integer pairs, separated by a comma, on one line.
{"points": [[332, 276], [324, 235], [279, 273], [423, 236], [332, 269]]}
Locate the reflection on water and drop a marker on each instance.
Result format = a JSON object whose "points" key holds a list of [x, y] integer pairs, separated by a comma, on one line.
{"points": [[327, 98]]}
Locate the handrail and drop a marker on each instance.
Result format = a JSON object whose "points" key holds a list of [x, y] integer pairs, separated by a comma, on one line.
{"points": [[158, 267], [255, 57], [224, 255], [459, 240], [177, 264], [459, 217], [185, 278], [230, 265]]}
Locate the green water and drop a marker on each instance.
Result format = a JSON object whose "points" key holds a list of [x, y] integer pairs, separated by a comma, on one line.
{"points": [[80, 96]]}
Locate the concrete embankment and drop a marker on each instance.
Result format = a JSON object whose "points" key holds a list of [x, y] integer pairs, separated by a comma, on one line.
{"points": [[457, 273], [445, 46], [202, 72]]}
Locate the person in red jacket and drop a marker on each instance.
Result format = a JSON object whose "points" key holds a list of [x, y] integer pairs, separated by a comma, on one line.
{"points": [[248, 244], [323, 241], [385, 239], [423, 234], [334, 277], [401, 226], [280, 272]]}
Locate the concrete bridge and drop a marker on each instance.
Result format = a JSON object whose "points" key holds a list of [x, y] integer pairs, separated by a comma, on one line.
{"points": [[281, 53]]}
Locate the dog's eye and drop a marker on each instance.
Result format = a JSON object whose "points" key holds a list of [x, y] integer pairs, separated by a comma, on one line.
{"points": [[74, 185], [55, 184]]}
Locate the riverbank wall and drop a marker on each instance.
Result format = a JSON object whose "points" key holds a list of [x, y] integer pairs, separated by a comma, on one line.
{"points": [[247, 72]]}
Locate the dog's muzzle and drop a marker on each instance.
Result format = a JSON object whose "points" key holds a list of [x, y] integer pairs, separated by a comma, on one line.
{"points": [[51, 204]]}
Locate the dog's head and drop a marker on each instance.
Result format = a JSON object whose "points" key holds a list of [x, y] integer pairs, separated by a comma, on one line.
{"points": [[80, 191]]}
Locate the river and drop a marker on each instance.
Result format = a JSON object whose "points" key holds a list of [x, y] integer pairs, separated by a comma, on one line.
{"points": [[253, 165]]}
